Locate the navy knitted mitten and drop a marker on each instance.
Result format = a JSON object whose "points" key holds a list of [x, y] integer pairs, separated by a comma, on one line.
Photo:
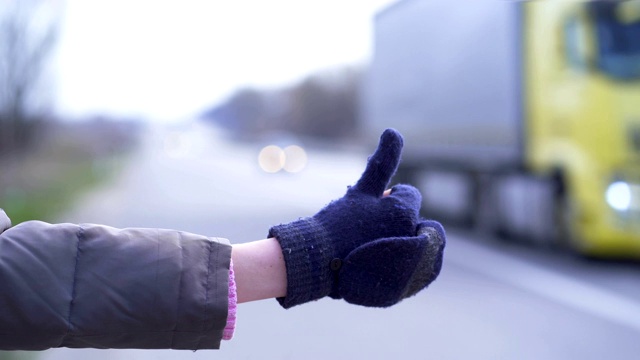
{"points": [[385, 271], [367, 248]]}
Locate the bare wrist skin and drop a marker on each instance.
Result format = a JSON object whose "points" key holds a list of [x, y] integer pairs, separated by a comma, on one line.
{"points": [[259, 270]]}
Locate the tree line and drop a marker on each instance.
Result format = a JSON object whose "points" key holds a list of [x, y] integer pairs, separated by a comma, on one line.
{"points": [[323, 105]]}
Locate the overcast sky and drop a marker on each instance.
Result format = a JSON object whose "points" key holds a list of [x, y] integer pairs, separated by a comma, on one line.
{"points": [[167, 60]]}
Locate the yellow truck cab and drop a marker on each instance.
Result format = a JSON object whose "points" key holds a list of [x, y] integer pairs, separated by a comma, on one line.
{"points": [[582, 63], [527, 111]]}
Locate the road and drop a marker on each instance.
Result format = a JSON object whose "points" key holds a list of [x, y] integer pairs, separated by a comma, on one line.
{"points": [[492, 300]]}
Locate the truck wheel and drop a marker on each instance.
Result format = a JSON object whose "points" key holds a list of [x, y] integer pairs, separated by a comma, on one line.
{"points": [[565, 237], [486, 218], [525, 207]]}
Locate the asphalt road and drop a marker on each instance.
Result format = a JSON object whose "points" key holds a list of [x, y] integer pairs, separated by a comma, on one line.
{"points": [[492, 300]]}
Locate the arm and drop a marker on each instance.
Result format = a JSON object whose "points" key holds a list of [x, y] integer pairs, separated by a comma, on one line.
{"points": [[66, 285]]}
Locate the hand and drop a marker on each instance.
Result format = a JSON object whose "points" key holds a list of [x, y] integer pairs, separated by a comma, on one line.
{"points": [[385, 271], [315, 248]]}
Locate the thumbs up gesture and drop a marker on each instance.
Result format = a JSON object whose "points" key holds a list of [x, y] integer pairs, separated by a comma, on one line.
{"points": [[368, 247]]}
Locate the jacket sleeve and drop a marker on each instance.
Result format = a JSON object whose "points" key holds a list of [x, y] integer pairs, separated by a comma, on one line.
{"points": [[78, 286]]}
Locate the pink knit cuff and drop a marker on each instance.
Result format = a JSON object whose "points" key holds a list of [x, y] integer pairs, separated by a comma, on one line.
{"points": [[233, 302]]}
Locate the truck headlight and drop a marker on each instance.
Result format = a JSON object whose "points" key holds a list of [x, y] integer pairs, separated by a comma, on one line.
{"points": [[619, 195]]}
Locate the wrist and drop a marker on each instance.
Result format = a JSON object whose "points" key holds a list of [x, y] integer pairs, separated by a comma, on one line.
{"points": [[259, 270], [308, 251]]}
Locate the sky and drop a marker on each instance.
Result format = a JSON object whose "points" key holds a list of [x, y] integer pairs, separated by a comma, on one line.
{"points": [[168, 60]]}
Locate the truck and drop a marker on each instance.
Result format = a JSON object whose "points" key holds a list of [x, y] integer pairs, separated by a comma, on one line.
{"points": [[521, 118]]}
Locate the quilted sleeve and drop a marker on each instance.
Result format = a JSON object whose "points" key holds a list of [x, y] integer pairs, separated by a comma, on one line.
{"points": [[66, 285]]}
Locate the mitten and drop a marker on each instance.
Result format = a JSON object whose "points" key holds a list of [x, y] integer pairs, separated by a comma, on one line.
{"points": [[383, 272], [316, 247]]}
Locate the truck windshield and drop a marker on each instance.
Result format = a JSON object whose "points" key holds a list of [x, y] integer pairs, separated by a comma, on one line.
{"points": [[618, 41]]}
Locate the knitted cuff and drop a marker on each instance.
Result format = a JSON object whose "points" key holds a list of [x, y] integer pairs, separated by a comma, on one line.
{"points": [[230, 328], [307, 251]]}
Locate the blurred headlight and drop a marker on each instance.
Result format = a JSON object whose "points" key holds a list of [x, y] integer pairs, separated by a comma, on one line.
{"points": [[628, 12], [619, 195], [295, 159], [292, 159], [271, 158]]}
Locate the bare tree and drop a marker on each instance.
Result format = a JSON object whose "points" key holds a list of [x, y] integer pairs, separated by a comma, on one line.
{"points": [[326, 104], [28, 33]]}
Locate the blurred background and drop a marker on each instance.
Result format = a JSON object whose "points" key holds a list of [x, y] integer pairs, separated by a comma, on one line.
{"points": [[522, 130]]}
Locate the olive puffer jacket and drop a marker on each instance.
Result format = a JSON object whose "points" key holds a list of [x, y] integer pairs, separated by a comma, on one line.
{"points": [[66, 285]]}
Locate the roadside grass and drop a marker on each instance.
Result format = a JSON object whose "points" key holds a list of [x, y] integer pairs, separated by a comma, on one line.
{"points": [[18, 355], [45, 199], [43, 183]]}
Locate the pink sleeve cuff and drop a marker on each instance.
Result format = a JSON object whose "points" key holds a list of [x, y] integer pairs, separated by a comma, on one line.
{"points": [[233, 302]]}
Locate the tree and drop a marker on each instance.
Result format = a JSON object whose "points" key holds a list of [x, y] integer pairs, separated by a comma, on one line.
{"points": [[326, 104], [242, 112], [28, 34]]}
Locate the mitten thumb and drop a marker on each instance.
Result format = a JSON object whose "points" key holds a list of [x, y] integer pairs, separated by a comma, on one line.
{"points": [[385, 271], [382, 165]]}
